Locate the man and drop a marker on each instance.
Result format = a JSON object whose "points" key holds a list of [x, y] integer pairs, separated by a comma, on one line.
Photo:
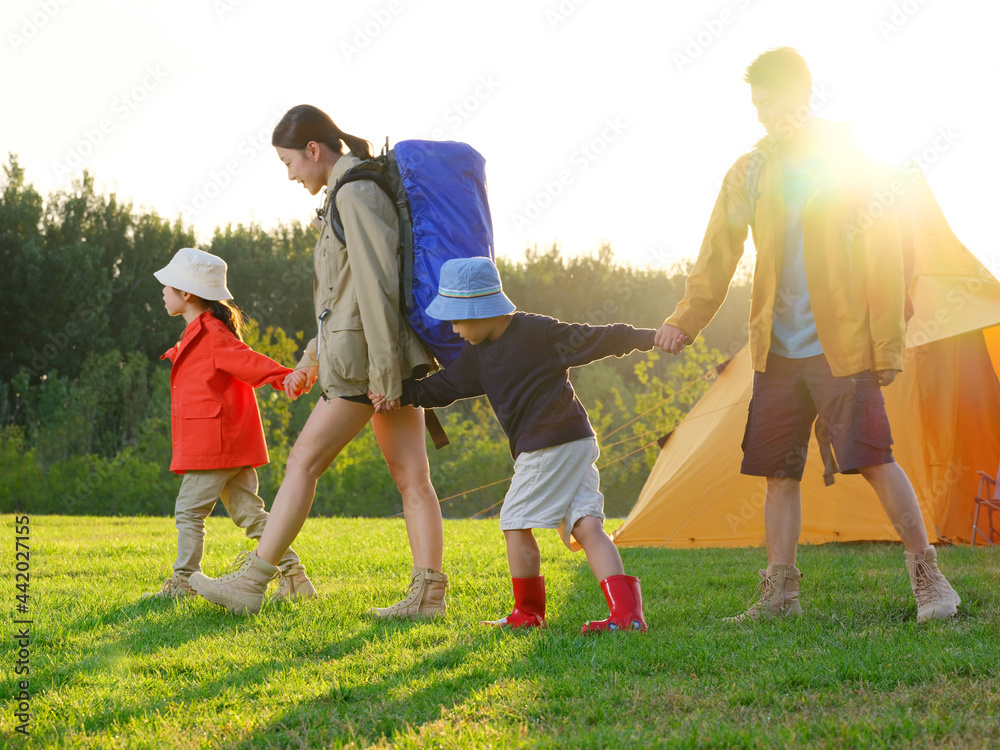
{"points": [[826, 323]]}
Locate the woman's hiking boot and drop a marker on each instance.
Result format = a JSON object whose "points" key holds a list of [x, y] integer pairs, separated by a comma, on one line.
{"points": [[242, 591], [779, 594], [424, 599], [936, 599], [529, 605], [293, 583], [175, 587], [625, 604]]}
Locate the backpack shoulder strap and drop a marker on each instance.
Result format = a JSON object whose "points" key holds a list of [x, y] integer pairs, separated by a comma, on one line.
{"points": [[383, 171], [360, 172]]}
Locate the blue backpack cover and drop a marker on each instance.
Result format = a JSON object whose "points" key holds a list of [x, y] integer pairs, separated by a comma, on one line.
{"points": [[439, 189]]}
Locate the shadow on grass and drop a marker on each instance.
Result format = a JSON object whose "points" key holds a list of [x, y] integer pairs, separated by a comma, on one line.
{"points": [[381, 710], [162, 632]]}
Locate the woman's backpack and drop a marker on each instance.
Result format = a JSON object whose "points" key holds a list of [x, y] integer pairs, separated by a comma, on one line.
{"points": [[439, 189]]}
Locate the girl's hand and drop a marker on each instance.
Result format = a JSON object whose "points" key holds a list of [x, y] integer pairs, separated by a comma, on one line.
{"points": [[300, 381]]}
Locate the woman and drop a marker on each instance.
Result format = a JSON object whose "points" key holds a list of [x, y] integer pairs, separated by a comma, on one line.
{"points": [[364, 342]]}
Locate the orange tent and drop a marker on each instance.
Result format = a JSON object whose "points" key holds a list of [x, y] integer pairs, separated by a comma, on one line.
{"points": [[944, 409]]}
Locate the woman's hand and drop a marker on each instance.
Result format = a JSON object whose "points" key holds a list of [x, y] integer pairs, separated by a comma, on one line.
{"points": [[300, 381]]}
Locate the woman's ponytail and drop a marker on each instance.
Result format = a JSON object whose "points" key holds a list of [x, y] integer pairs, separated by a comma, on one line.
{"points": [[304, 123], [357, 146]]}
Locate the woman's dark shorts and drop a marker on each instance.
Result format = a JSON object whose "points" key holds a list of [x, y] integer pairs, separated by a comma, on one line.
{"points": [[420, 371], [787, 399]]}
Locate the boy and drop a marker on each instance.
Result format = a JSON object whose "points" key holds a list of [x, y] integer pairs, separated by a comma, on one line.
{"points": [[520, 362]]}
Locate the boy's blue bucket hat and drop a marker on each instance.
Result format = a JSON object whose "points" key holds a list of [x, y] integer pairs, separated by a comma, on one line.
{"points": [[469, 289]]}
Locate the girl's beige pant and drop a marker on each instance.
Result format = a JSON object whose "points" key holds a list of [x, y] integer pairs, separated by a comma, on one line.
{"points": [[200, 490]]}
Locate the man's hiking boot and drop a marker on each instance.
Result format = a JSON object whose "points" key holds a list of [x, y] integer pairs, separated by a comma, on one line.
{"points": [[242, 591], [175, 587], [936, 599], [779, 595], [424, 599], [293, 583], [529, 605]]}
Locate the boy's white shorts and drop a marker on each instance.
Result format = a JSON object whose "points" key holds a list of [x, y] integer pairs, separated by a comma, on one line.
{"points": [[553, 488]]}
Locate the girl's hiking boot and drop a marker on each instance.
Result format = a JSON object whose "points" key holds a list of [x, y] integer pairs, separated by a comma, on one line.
{"points": [[424, 599], [242, 591], [293, 583], [625, 604], [779, 595], [529, 605], [175, 587], [936, 599]]}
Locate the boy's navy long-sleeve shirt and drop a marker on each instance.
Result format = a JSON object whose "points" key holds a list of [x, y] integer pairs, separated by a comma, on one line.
{"points": [[524, 373]]}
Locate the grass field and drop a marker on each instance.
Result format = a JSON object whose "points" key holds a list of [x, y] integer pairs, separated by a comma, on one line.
{"points": [[111, 671]]}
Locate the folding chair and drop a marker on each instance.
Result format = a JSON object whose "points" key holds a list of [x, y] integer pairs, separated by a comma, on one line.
{"points": [[988, 497]]}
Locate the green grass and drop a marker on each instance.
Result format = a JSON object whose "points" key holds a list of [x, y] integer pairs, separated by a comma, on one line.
{"points": [[110, 671]]}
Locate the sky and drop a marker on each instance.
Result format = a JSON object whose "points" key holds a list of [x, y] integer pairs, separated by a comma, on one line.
{"points": [[600, 121]]}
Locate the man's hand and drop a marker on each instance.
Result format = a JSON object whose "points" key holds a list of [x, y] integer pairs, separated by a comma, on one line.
{"points": [[885, 377], [300, 381], [671, 339]]}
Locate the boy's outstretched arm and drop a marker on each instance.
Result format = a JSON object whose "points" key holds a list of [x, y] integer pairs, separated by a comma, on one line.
{"points": [[576, 344], [457, 381]]}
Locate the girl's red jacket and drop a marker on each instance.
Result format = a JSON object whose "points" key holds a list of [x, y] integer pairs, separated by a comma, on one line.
{"points": [[213, 413]]}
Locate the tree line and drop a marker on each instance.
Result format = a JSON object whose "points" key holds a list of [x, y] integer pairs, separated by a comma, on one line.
{"points": [[85, 398]]}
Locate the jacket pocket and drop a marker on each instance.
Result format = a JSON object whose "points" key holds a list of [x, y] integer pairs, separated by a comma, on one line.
{"points": [[202, 428], [870, 419], [345, 352]]}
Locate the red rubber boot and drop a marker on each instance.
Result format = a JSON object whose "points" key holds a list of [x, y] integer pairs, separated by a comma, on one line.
{"points": [[625, 602], [529, 605]]}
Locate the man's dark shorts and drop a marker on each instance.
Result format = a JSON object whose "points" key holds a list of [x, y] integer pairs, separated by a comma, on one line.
{"points": [[786, 400]]}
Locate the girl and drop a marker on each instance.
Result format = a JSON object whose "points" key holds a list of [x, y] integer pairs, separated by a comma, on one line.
{"points": [[218, 439], [364, 342]]}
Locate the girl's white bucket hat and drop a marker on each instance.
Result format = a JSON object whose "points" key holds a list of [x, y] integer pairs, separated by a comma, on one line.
{"points": [[196, 272]]}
